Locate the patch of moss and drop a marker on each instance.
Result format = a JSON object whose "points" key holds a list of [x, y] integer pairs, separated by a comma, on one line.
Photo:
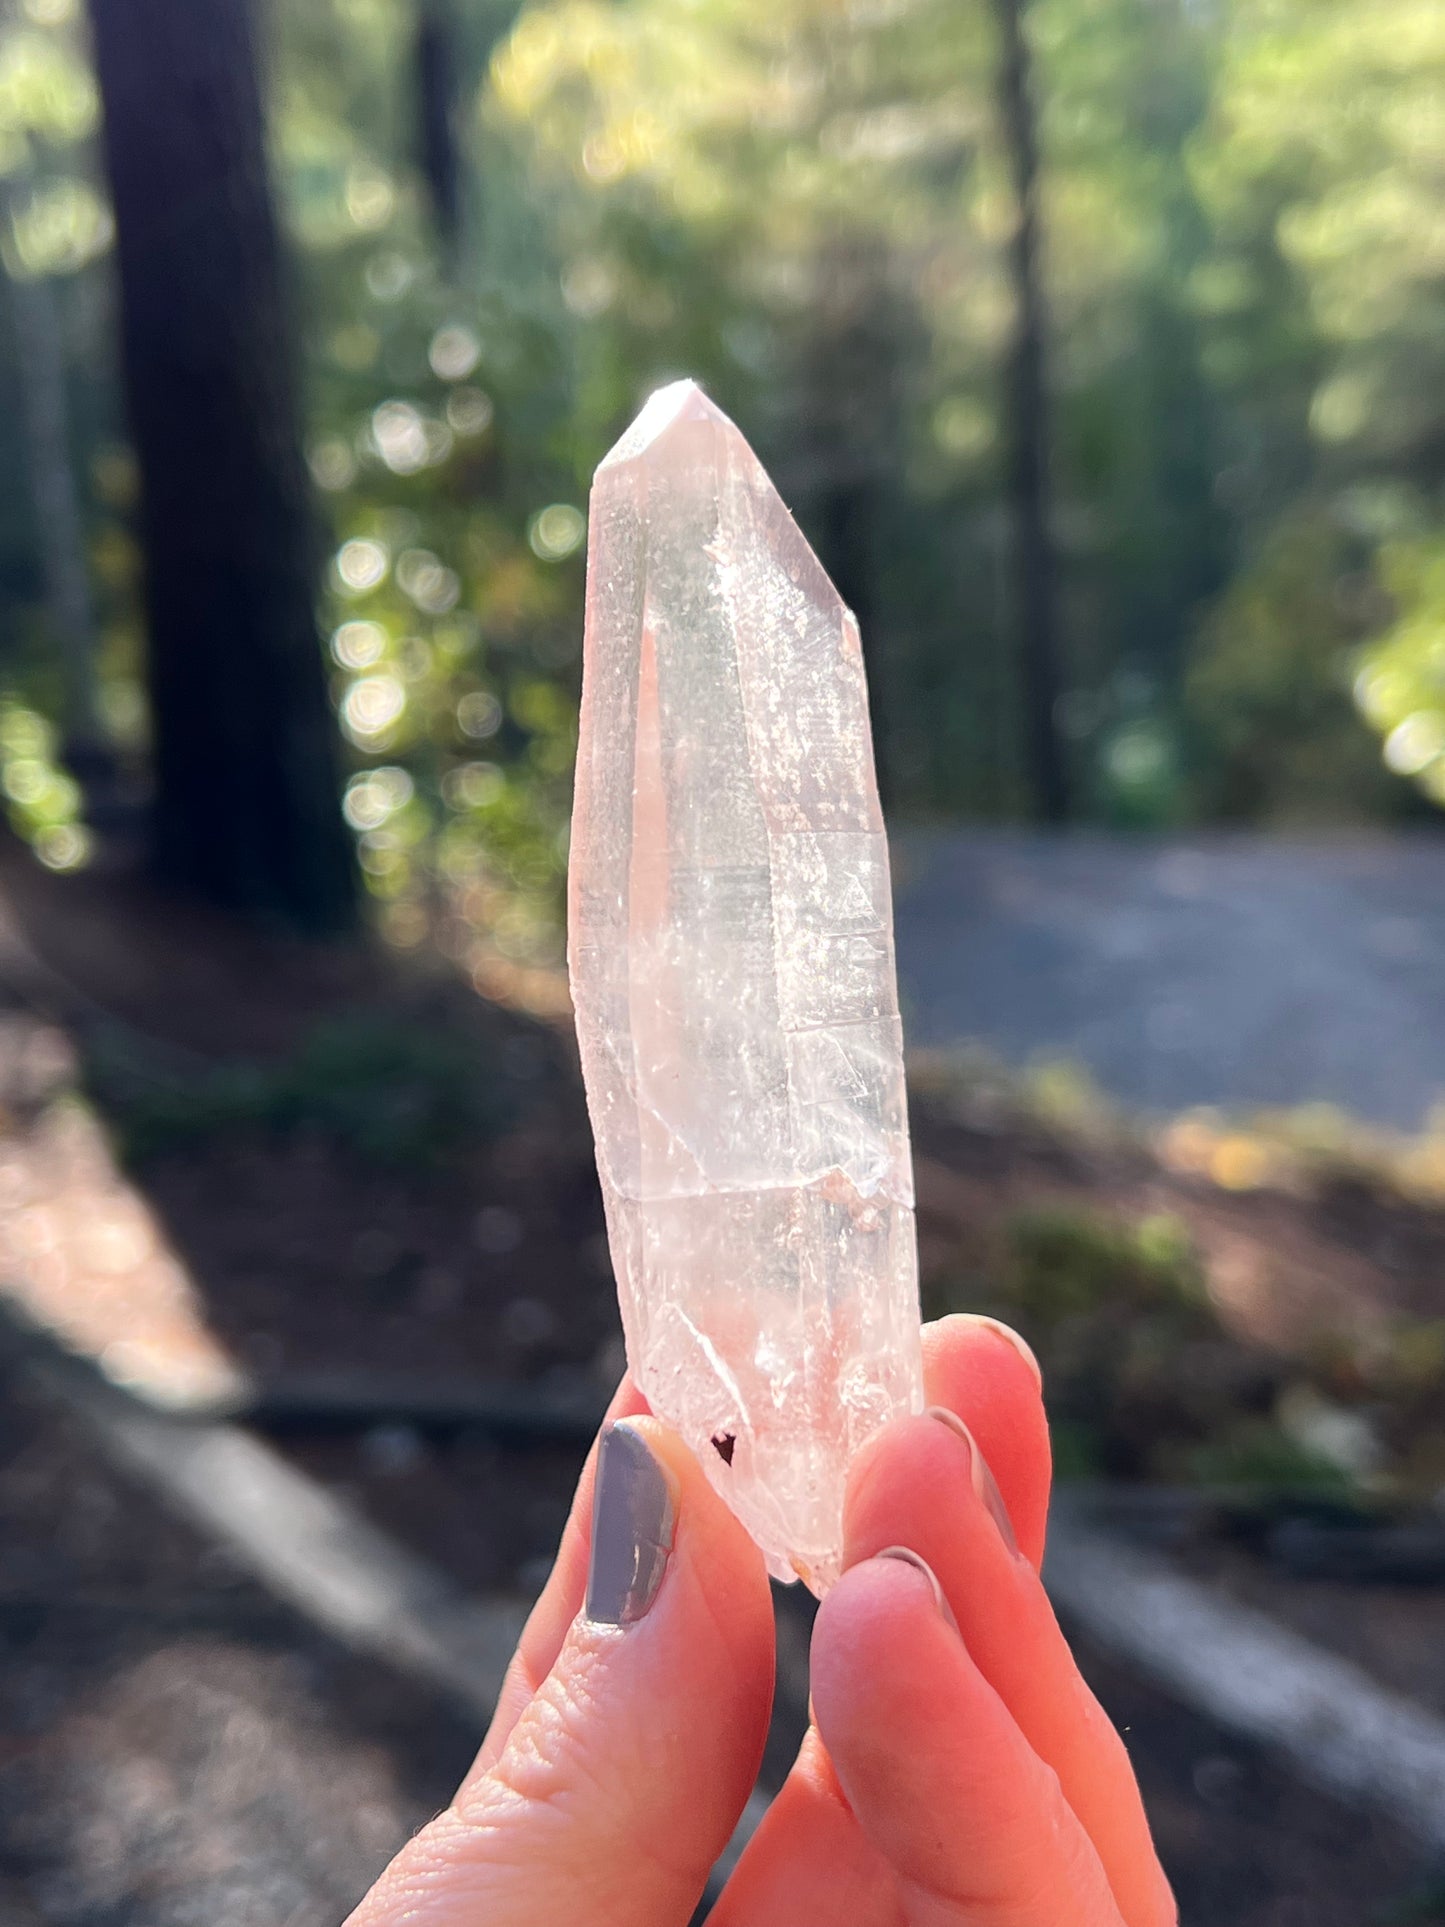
{"points": [[1255, 1451], [1142, 1381], [1066, 1262]]}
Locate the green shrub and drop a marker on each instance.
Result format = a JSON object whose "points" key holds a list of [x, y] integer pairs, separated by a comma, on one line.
{"points": [[1063, 1261], [393, 1090]]}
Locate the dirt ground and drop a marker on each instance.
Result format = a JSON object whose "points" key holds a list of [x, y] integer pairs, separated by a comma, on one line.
{"points": [[162, 1223], [199, 1248], [180, 1751], [176, 1749]]}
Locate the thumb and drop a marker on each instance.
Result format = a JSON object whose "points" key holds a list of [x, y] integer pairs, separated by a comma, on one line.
{"points": [[621, 1781]]}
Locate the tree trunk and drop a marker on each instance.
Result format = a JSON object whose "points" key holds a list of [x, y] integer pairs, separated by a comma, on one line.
{"points": [[1035, 570], [846, 449], [40, 361], [845, 520], [246, 808], [436, 81]]}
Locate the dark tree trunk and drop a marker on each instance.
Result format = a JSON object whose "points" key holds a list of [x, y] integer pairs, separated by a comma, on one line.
{"points": [[846, 523], [40, 359], [846, 454], [60, 525], [436, 125], [1029, 428], [246, 809]]}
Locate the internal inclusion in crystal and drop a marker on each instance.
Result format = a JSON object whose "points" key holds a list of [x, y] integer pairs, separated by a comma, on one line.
{"points": [[731, 953]]}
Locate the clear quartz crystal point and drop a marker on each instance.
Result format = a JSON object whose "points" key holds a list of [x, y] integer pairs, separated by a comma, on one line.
{"points": [[731, 955]]}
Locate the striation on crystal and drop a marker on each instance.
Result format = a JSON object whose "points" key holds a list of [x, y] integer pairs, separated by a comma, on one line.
{"points": [[730, 942]]}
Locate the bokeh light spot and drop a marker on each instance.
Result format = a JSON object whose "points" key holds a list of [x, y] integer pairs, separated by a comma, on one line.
{"points": [[473, 786], [332, 464], [469, 412], [361, 564], [388, 276], [25, 779], [400, 436], [372, 707], [370, 198], [357, 645], [454, 353], [556, 531], [64, 847], [429, 583], [479, 714], [1415, 742], [589, 288], [375, 795]]}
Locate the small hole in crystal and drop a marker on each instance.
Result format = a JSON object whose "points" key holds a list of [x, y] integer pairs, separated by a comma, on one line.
{"points": [[724, 1444]]}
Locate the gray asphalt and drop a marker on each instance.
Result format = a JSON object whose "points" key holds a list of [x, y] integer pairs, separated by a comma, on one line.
{"points": [[1242, 972]]}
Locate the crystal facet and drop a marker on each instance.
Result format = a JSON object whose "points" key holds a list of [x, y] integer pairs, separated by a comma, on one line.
{"points": [[731, 954]]}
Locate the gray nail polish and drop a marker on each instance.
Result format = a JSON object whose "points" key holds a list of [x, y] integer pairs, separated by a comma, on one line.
{"points": [[984, 1483], [632, 1524]]}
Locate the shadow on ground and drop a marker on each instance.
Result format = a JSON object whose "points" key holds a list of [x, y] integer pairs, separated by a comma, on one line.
{"points": [[229, 1162]]}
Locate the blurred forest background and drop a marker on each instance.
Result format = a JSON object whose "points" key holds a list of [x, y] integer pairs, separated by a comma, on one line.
{"points": [[1099, 346]]}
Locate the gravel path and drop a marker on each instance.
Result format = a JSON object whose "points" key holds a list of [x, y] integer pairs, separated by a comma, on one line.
{"points": [[1232, 971], [177, 1749]]}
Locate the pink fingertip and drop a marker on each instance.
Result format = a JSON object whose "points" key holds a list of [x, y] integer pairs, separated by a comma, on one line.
{"points": [[909, 1558]]}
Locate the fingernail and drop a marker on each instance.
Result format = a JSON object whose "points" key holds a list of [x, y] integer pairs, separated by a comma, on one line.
{"points": [[910, 1558], [1011, 1337], [632, 1525], [984, 1483]]}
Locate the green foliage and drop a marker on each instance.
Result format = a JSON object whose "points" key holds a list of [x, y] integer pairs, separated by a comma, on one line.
{"points": [[1269, 693], [1138, 1373], [41, 801], [1257, 1451], [1146, 1381], [1065, 1263], [811, 210], [831, 191], [1320, 168], [47, 97], [392, 1091], [1323, 152], [440, 450], [1143, 1380], [1400, 687], [809, 207]]}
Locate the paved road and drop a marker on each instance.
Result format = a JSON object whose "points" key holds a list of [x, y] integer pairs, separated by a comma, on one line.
{"points": [[1236, 971]]}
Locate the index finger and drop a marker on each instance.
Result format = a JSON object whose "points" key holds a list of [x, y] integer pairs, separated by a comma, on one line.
{"points": [[559, 1601], [985, 1373]]}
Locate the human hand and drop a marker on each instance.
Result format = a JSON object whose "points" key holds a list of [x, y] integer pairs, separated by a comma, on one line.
{"points": [[959, 1773]]}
